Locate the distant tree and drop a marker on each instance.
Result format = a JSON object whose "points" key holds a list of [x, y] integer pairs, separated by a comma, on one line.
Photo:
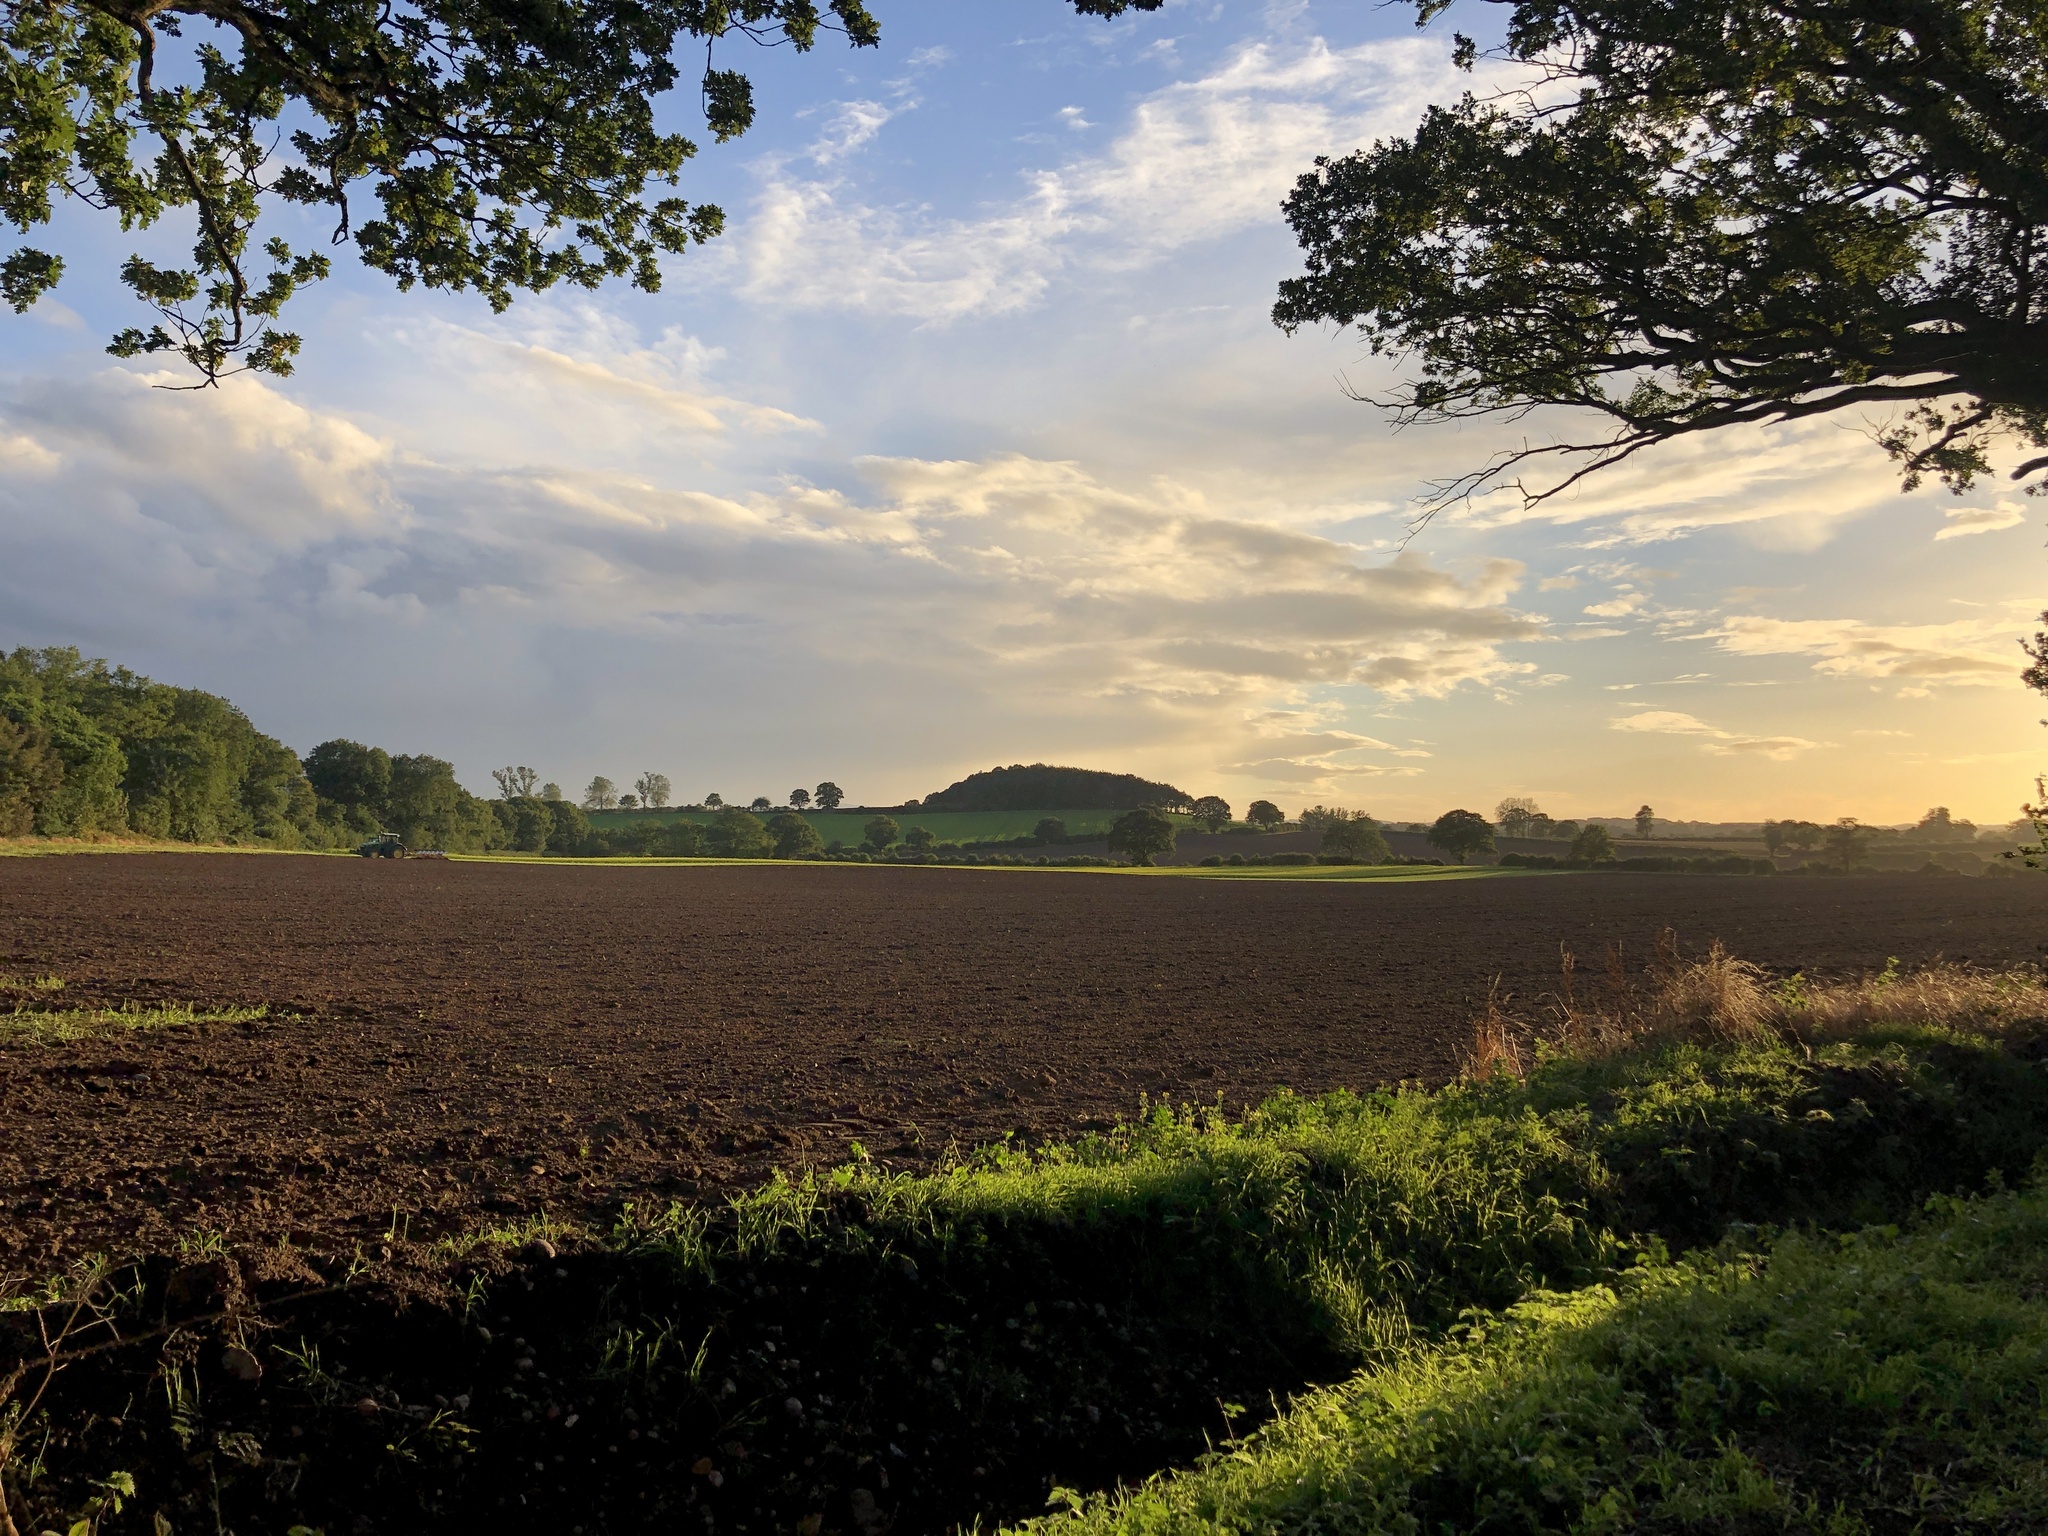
{"points": [[30, 772], [828, 795], [568, 828], [793, 836], [919, 838], [551, 791], [600, 794], [799, 798], [1563, 830], [1142, 835], [426, 804], [516, 783], [681, 840], [1774, 837], [1646, 821], [1939, 826], [880, 832], [629, 802], [739, 835], [1358, 838], [1514, 815], [1050, 829], [1461, 834], [1593, 845], [351, 774], [652, 788], [529, 824], [713, 801], [1848, 842], [762, 803], [1804, 835], [1265, 815], [1317, 817], [1212, 811]]}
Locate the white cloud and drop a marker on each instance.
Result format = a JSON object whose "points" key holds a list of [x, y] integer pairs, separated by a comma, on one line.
{"points": [[1671, 722], [1007, 578], [1964, 521], [1619, 606], [852, 128], [1197, 160], [1790, 486], [1968, 652]]}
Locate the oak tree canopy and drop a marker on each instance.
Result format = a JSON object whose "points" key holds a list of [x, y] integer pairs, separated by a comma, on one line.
{"points": [[488, 145], [1701, 213]]}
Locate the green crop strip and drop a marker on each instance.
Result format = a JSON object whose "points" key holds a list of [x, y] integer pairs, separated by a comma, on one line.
{"points": [[52, 1026]]}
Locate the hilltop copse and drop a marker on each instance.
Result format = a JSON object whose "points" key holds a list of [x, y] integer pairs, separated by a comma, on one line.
{"points": [[1042, 786]]}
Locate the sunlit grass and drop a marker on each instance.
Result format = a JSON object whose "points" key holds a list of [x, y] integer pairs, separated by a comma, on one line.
{"points": [[1826, 1387], [61, 1026], [31, 984]]}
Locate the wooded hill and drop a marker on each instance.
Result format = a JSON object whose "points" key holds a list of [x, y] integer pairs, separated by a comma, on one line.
{"points": [[1041, 787]]}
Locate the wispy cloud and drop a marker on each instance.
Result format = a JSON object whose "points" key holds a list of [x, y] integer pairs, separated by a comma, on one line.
{"points": [[1964, 653], [1671, 722], [1196, 160], [1964, 521]]}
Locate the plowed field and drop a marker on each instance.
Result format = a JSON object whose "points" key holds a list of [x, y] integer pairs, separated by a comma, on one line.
{"points": [[448, 1042]]}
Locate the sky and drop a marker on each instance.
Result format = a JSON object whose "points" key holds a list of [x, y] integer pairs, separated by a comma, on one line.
{"points": [[972, 442]]}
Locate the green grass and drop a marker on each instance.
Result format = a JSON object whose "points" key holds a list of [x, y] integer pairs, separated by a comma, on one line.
{"points": [[60, 1026], [1845, 1384], [947, 826], [32, 984]]}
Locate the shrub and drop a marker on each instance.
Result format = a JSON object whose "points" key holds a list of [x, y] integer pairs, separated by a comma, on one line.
{"points": [[881, 832]]}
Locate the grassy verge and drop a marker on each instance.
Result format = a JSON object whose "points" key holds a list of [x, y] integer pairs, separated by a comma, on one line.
{"points": [[1873, 1381], [859, 1352]]}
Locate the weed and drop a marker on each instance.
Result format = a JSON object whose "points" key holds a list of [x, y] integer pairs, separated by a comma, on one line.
{"points": [[203, 1243]]}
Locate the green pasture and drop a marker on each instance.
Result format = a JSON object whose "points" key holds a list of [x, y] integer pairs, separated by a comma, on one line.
{"points": [[948, 826]]}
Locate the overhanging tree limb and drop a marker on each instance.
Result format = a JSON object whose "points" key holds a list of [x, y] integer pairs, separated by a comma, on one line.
{"points": [[1744, 211]]}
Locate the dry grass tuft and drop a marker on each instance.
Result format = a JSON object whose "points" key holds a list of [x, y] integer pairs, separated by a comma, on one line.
{"points": [[1944, 995], [1494, 1046], [1716, 997]]}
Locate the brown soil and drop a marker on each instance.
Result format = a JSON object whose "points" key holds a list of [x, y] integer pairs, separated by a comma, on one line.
{"points": [[458, 1041]]}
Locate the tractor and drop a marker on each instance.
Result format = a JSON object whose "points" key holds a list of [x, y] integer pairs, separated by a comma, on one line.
{"points": [[385, 845]]}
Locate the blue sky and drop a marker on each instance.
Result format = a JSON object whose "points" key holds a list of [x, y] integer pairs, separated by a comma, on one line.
{"points": [[971, 442]]}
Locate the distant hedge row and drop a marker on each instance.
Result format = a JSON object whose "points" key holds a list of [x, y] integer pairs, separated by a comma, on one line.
{"points": [[1726, 864]]}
